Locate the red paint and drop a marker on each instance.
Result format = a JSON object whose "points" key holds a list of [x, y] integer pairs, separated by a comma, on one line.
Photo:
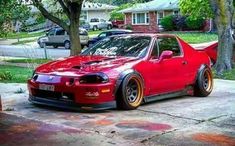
{"points": [[144, 125], [217, 139], [0, 103], [167, 76]]}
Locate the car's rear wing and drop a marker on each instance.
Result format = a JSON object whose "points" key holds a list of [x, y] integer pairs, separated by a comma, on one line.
{"points": [[211, 51]]}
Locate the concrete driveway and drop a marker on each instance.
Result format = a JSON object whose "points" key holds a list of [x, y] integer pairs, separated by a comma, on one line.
{"points": [[178, 121]]}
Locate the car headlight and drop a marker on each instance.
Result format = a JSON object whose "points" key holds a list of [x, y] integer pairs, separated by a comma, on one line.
{"points": [[94, 78]]}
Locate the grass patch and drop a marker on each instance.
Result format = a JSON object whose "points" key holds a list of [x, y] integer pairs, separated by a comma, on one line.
{"points": [[227, 75], [196, 37], [14, 74], [95, 32], [23, 42], [28, 60], [24, 35]]}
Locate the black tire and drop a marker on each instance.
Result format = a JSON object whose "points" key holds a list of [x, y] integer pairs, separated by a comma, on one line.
{"points": [[55, 46], [109, 27], [67, 44], [204, 83], [41, 44], [95, 28], [130, 93]]}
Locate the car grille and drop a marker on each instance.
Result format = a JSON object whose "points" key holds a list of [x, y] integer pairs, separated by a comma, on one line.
{"points": [[62, 96]]}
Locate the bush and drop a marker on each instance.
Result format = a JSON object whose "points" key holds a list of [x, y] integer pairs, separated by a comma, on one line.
{"points": [[179, 22], [128, 26], [167, 23], [194, 24], [6, 75]]}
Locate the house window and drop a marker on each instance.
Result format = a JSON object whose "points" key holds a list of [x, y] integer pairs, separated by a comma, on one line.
{"points": [[160, 15], [176, 12], [140, 18]]}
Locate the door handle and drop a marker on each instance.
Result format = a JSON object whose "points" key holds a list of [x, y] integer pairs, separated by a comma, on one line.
{"points": [[184, 62]]}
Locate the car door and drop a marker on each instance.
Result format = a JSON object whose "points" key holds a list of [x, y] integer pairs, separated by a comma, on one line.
{"points": [[166, 75], [103, 23], [59, 37]]}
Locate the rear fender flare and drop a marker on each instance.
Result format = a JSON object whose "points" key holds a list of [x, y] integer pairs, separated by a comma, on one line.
{"points": [[199, 70]]}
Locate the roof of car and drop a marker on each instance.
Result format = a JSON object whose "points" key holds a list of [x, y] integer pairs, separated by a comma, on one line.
{"points": [[115, 30], [148, 34]]}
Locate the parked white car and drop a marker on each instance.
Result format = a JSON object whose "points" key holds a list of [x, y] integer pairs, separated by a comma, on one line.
{"points": [[96, 23]]}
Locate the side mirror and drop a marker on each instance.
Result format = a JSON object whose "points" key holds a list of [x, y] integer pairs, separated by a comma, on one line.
{"points": [[166, 55]]}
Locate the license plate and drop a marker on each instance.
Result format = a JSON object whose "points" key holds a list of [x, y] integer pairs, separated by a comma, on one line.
{"points": [[47, 87]]}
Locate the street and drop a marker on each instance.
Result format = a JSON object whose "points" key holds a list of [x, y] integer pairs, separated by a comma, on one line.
{"points": [[32, 50], [179, 121]]}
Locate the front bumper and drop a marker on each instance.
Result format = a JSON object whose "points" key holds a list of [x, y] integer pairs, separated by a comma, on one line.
{"points": [[72, 105]]}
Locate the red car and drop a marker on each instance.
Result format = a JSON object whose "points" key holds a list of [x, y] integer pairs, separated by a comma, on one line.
{"points": [[123, 71]]}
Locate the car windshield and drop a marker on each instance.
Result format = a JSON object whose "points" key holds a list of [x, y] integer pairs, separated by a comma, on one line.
{"points": [[130, 46]]}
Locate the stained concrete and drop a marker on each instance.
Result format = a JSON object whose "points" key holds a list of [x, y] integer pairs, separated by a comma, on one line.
{"points": [[179, 121]]}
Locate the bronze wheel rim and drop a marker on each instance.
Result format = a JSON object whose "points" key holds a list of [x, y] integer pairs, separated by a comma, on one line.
{"points": [[134, 92], [207, 81]]}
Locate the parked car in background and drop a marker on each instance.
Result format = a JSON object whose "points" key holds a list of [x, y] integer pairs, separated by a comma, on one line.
{"points": [[59, 37], [118, 23], [107, 33], [98, 24], [123, 71]]}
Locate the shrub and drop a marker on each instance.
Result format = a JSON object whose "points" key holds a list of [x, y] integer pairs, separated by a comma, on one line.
{"points": [[194, 24], [179, 22], [6, 75], [128, 26], [167, 23]]}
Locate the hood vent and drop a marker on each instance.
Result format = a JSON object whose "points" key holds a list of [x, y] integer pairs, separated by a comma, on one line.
{"points": [[77, 67]]}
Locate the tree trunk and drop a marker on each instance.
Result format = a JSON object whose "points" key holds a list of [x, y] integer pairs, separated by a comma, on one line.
{"points": [[75, 9], [223, 18]]}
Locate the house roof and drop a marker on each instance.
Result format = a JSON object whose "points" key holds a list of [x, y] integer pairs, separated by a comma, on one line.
{"points": [[97, 6], [155, 5]]}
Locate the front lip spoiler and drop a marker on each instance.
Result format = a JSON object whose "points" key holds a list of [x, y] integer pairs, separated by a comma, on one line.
{"points": [[72, 106]]}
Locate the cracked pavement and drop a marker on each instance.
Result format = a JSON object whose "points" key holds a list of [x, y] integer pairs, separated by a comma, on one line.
{"points": [[179, 121]]}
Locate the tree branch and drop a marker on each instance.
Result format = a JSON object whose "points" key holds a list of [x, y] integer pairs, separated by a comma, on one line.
{"points": [[64, 7], [49, 16]]}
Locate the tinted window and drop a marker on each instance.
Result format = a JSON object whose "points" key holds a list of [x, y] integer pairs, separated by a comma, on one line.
{"points": [[132, 46], [60, 32], [95, 20], [169, 43]]}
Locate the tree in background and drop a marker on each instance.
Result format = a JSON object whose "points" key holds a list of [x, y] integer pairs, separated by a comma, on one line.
{"points": [[11, 12], [71, 10], [116, 15], [223, 12]]}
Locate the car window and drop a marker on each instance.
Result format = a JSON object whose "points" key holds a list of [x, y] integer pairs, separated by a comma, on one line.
{"points": [[170, 44], [94, 20], [60, 32], [103, 34], [155, 53], [131, 46], [51, 32], [102, 20]]}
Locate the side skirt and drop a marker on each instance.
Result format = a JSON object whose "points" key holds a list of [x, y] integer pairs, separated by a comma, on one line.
{"points": [[187, 91]]}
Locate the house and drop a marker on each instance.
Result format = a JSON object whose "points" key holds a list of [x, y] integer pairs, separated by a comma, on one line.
{"points": [[96, 10], [146, 17]]}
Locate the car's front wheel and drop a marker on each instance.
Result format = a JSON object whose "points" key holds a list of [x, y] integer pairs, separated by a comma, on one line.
{"points": [[67, 45], [95, 28], [41, 44], [204, 83], [109, 27], [131, 92]]}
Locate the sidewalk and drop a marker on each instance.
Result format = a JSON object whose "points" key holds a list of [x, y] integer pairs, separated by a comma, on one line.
{"points": [[11, 41]]}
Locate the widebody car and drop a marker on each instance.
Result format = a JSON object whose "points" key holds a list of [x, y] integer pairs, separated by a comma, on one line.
{"points": [[123, 71]]}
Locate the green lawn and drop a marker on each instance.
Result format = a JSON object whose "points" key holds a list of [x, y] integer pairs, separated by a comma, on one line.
{"points": [[24, 42], [229, 75], [12, 74], [95, 32], [196, 37], [24, 35], [28, 60]]}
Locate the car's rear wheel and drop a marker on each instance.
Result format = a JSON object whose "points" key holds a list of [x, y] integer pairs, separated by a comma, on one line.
{"points": [[131, 92], [204, 83], [109, 27], [67, 45], [95, 28]]}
